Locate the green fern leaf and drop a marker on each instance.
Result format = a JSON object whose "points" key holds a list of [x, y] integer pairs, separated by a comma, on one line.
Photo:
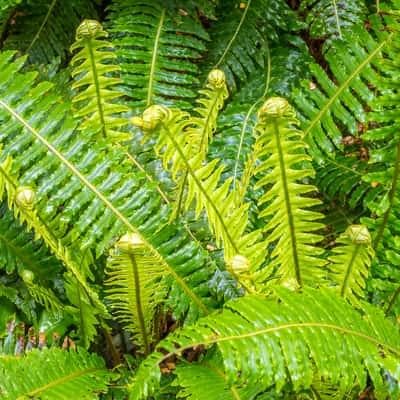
{"points": [[350, 263], [45, 29], [328, 18], [256, 337], [280, 148], [88, 190], [95, 101], [332, 109], [239, 40], [74, 374], [157, 49], [227, 222], [134, 287]]}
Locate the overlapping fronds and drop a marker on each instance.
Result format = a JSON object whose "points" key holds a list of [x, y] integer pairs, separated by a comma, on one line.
{"points": [[341, 181], [135, 288], [53, 374], [289, 340], [290, 223], [384, 168], [158, 49], [332, 109], [328, 18], [226, 220], [19, 251], [95, 102], [91, 185], [45, 29], [239, 40], [350, 263]]}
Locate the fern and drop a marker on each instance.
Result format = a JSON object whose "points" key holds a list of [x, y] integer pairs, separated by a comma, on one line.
{"points": [[350, 263], [44, 29], [280, 148], [240, 38], [76, 197], [96, 96], [328, 18], [226, 221], [134, 287], [157, 50], [255, 337], [332, 109], [68, 374]]}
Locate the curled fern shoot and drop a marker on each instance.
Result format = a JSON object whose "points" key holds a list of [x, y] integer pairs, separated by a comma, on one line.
{"points": [[226, 221], [134, 287], [290, 223], [92, 69], [350, 263]]}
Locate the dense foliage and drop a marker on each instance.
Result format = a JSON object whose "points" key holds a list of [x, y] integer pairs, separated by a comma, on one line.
{"points": [[199, 199]]}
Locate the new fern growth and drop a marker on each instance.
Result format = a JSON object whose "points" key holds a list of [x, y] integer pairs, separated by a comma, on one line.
{"points": [[283, 168]]}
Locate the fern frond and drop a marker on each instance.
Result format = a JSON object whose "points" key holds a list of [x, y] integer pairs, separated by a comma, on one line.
{"points": [[227, 222], [19, 250], [239, 40], [41, 294], [384, 170], [85, 181], [95, 102], [350, 263], [290, 224], [74, 374], [332, 109], [135, 288], [157, 49], [44, 29], [340, 180], [328, 18], [256, 337]]}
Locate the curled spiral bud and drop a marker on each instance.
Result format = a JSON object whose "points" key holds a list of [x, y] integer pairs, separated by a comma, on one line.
{"points": [[216, 78], [25, 198], [129, 241], [274, 107], [358, 234], [239, 264], [90, 28], [151, 118], [27, 275]]}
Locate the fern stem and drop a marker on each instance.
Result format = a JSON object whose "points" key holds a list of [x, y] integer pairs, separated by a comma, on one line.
{"points": [[233, 38], [249, 172], [349, 270], [295, 325], [392, 193], [292, 229], [46, 18], [345, 85], [106, 202], [97, 87], [337, 18], [138, 304], [60, 381], [201, 188], [154, 58]]}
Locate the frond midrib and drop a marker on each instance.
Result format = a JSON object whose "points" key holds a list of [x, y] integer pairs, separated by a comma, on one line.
{"points": [[203, 191], [292, 229], [346, 84], [349, 270], [60, 381]]}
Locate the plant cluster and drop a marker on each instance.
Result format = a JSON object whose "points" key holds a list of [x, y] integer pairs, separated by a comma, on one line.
{"points": [[199, 199]]}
